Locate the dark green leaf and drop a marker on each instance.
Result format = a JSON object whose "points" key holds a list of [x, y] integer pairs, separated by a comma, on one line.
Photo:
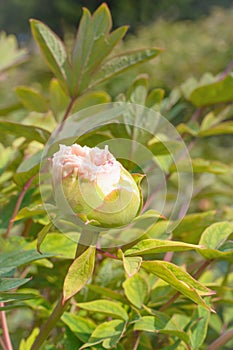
{"points": [[80, 326], [9, 297], [30, 132], [20, 257], [119, 64], [93, 44], [11, 283], [199, 330], [53, 50]]}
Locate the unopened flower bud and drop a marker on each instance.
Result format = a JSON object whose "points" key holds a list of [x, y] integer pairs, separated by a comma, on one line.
{"points": [[97, 187]]}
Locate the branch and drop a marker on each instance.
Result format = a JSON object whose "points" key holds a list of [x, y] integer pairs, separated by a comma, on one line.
{"points": [[137, 338], [107, 254], [222, 340]]}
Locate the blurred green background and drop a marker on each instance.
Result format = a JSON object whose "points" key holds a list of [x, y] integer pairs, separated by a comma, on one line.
{"points": [[197, 35], [63, 14]]}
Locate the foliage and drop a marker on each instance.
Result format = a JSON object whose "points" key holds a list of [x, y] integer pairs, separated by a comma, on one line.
{"points": [[164, 290], [209, 50]]}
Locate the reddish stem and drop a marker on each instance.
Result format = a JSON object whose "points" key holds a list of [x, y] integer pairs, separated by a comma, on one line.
{"points": [[2, 344], [221, 341], [107, 254], [6, 336], [137, 338], [17, 206]]}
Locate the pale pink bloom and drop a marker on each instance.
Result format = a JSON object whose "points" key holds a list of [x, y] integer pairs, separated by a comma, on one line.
{"points": [[93, 164]]}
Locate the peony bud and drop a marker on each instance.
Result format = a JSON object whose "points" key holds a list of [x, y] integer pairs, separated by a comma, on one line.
{"points": [[97, 187]]}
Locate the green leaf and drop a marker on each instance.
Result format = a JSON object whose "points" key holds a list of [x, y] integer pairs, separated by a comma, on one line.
{"points": [[59, 101], [132, 265], [32, 99], [154, 98], [191, 129], [11, 283], [57, 244], [160, 148], [107, 333], [7, 153], [214, 242], [119, 64], [111, 308], [155, 246], [150, 324], [192, 226], [201, 166], [42, 234], [93, 44], [216, 234], [30, 132], [53, 51], [10, 54], [90, 99], [21, 257], [26, 344], [28, 169], [178, 279], [155, 324], [217, 92], [80, 326], [79, 273], [138, 91], [10, 297], [223, 128], [30, 211], [136, 290], [71, 341], [199, 330], [107, 292]]}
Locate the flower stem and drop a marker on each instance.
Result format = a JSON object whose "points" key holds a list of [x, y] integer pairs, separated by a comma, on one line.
{"points": [[49, 324]]}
